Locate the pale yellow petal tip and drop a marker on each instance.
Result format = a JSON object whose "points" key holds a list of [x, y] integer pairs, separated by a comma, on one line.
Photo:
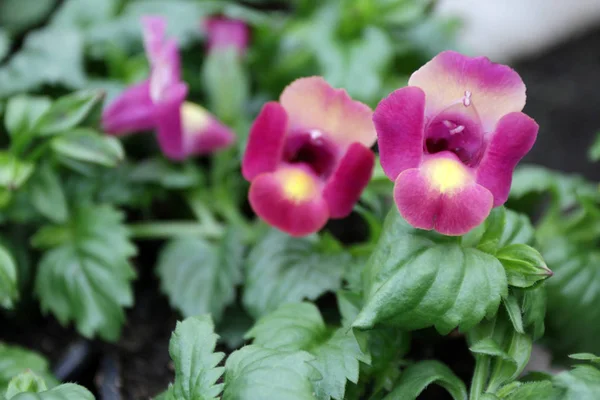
{"points": [[446, 174], [297, 184], [194, 118]]}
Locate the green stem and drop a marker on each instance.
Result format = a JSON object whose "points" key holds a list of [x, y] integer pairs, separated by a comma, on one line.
{"points": [[165, 230], [482, 365]]}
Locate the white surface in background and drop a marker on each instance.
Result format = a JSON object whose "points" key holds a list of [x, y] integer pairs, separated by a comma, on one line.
{"points": [[505, 30]]}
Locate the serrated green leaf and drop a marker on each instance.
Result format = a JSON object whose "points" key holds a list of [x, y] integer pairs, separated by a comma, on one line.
{"points": [[581, 383], [254, 372], [192, 349], [15, 360], [8, 279], [88, 146], [200, 277], [417, 377], [523, 264], [22, 113], [299, 326], [67, 391], [416, 279], [13, 172], [87, 278], [46, 194], [68, 111], [25, 382], [294, 326], [573, 322], [282, 269]]}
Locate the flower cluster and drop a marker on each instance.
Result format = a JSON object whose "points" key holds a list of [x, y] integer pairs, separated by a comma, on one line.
{"points": [[450, 141], [183, 128]]}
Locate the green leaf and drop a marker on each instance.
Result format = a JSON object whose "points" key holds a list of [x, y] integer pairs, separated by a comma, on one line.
{"points": [[417, 377], [25, 382], [299, 326], [254, 372], [201, 277], [4, 44], [15, 360], [415, 279], [192, 349], [67, 391], [13, 172], [501, 228], [282, 269], [89, 146], [523, 264], [581, 383], [573, 322], [16, 16], [542, 390], [68, 111], [8, 279], [42, 60], [534, 310], [514, 312], [233, 326], [87, 277], [510, 350], [22, 113], [585, 357], [161, 172], [594, 151], [294, 326], [46, 194]]}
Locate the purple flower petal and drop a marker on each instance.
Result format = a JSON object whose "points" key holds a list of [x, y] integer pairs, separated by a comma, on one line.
{"points": [[442, 195], [399, 120], [202, 132], [225, 32], [349, 180], [169, 124], [131, 111], [289, 199], [311, 103], [153, 29], [264, 150], [493, 89], [513, 138]]}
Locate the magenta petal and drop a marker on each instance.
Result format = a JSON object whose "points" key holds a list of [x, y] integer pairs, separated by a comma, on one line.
{"points": [[226, 32], [451, 213], [289, 199], [265, 142], [349, 180], [399, 120], [169, 123], [214, 136], [514, 136], [450, 77], [131, 111], [154, 28]]}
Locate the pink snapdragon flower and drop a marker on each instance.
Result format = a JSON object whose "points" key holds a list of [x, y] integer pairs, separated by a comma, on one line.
{"points": [[225, 32], [308, 156], [451, 140], [183, 128]]}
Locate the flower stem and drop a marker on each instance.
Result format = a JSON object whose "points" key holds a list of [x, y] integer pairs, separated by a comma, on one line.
{"points": [[165, 230], [480, 375]]}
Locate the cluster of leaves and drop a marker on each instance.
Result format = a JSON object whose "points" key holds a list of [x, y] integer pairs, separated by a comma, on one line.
{"points": [[71, 206]]}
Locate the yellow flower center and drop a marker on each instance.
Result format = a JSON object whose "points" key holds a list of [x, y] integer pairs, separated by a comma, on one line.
{"points": [[194, 118], [297, 185], [446, 174]]}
